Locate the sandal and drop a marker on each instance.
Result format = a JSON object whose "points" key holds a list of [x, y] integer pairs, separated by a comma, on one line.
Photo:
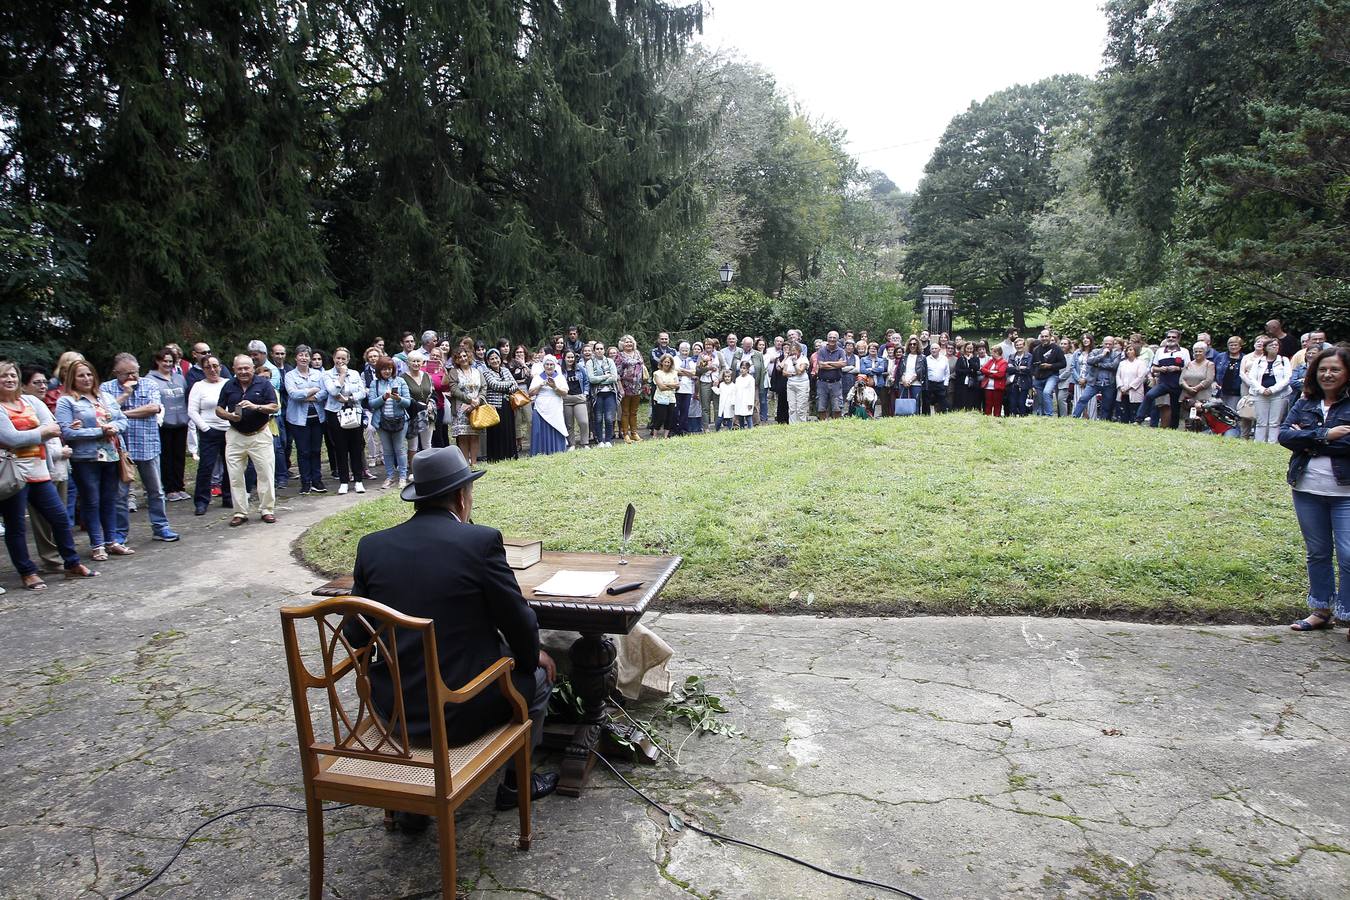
{"points": [[238, 519], [34, 582], [81, 571], [99, 554], [1316, 621], [120, 550]]}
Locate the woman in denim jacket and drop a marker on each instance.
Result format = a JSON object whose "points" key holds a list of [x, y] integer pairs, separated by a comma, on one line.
{"points": [[305, 396], [874, 366], [1317, 434], [89, 427]]}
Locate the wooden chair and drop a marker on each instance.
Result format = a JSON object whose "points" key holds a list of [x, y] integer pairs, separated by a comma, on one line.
{"points": [[370, 760]]}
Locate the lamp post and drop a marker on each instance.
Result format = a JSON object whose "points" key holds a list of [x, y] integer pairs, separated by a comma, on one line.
{"points": [[726, 273]]}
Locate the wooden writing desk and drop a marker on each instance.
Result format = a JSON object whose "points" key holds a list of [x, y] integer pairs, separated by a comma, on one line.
{"points": [[594, 668]]}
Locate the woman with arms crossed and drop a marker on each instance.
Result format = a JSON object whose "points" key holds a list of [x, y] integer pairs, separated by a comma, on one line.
{"points": [[1317, 434]]}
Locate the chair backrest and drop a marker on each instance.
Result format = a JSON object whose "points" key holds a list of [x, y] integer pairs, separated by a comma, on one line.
{"points": [[353, 633]]}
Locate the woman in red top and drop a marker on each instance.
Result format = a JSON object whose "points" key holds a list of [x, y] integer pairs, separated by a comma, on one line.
{"points": [[994, 374], [26, 427]]}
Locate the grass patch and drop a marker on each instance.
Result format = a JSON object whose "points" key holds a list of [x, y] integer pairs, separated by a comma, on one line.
{"points": [[954, 514]]}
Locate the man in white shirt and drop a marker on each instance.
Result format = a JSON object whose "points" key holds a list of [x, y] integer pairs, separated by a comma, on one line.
{"points": [[728, 351], [937, 374]]}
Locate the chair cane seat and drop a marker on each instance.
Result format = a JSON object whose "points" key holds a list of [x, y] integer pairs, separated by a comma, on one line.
{"points": [[403, 773]]}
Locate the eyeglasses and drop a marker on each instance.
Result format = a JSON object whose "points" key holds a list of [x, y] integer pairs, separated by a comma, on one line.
{"points": [[212, 366]]}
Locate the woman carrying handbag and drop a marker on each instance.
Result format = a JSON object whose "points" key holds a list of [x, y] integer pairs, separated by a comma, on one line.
{"points": [[27, 432], [346, 389]]}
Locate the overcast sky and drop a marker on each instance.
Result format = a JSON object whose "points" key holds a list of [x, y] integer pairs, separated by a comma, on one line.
{"points": [[894, 72]]}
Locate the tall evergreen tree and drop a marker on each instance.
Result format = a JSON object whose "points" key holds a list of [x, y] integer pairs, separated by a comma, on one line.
{"points": [[1179, 77]]}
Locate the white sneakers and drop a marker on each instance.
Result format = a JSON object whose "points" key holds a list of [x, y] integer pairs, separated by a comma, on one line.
{"points": [[402, 483], [342, 488], [360, 487]]}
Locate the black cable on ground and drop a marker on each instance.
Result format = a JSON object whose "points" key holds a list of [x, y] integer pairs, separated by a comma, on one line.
{"points": [[193, 833], [731, 840], [182, 845]]}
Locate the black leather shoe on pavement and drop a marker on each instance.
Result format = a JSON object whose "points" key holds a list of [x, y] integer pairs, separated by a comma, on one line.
{"points": [[411, 823], [541, 785]]}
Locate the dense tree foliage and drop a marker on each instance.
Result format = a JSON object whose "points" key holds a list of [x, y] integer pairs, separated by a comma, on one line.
{"points": [[988, 180], [330, 169], [1176, 89], [1205, 176], [1278, 211]]}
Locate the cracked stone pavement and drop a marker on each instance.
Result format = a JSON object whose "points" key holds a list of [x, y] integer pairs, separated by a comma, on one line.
{"points": [[976, 757]]}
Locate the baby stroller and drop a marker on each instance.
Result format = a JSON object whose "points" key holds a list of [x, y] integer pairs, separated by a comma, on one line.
{"points": [[1220, 418], [862, 398]]}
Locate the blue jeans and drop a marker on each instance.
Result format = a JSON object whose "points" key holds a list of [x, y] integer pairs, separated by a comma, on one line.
{"points": [[763, 404], [606, 408], [1325, 523], [1106, 406], [394, 446], [1045, 395], [308, 449], [681, 425], [154, 493], [210, 453], [48, 503], [279, 448], [99, 484], [1147, 410]]}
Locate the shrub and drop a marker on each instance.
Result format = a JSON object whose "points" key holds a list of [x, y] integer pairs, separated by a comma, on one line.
{"points": [[1183, 303], [735, 309]]}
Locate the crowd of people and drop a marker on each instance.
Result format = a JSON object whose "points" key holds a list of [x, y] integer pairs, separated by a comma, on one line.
{"points": [[259, 420]]}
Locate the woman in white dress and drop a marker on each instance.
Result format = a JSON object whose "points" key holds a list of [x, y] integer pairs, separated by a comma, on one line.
{"points": [[548, 430]]}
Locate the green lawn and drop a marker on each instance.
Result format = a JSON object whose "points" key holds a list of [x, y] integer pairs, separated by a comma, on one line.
{"points": [[954, 514]]}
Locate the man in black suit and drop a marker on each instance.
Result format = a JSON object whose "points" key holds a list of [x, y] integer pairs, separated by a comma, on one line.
{"points": [[438, 565]]}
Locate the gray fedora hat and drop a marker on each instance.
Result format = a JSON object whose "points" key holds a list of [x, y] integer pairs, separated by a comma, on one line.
{"points": [[438, 471]]}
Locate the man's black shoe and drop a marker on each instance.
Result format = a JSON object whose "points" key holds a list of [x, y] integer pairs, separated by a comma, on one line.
{"points": [[411, 823], [541, 785]]}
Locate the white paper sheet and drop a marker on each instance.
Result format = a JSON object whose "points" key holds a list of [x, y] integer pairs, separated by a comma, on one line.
{"points": [[568, 583]]}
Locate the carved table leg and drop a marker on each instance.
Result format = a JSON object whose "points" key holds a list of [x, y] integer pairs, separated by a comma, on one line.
{"points": [[594, 674]]}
